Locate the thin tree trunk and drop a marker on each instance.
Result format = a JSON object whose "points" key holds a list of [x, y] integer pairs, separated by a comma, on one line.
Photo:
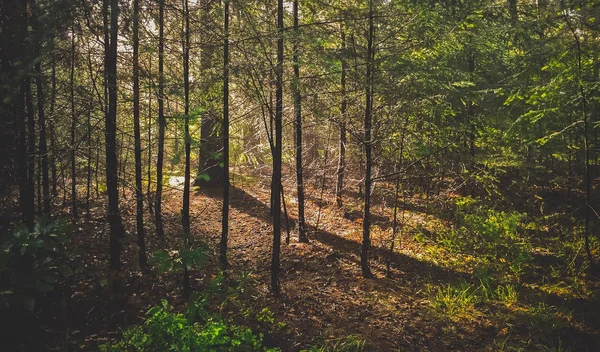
{"points": [[276, 185], [73, 126], [298, 110], [366, 243], [141, 239], [161, 122], [96, 167], [394, 223], [185, 212], [52, 117], [43, 148], [112, 185], [88, 188], [225, 217], [342, 157], [31, 151], [150, 118]]}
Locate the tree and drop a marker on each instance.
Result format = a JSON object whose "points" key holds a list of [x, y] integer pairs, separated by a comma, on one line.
{"points": [[137, 137], [161, 122], [225, 216], [366, 242], [339, 187], [74, 122], [185, 212], [298, 111], [276, 183], [114, 216]]}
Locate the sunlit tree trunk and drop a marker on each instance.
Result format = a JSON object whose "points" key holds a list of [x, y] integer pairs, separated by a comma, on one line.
{"points": [[276, 184], [161, 122], [185, 212], [138, 139], [341, 169], [225, 217], [366, 242], [298, 111]]}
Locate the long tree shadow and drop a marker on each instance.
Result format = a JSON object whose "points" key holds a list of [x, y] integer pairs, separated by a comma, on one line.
{"points": [[248, 204], [406, 268]]}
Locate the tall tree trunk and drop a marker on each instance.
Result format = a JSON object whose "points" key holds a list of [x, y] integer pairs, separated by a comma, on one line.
{"points": [[185, 212], [52, 117], [150, 117], [43, 147], [88, 185], [225, 218], [366, 243], [276, 184], [298, 110], [114, 216], [141, 239], [73, 126], [341, 169], [31, 151], [161, 122]]}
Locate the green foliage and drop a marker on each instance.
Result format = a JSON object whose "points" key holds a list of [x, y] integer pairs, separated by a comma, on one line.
{"points": [[165, 330], [175, 260], [454, 301], [459, 300], [31, 263], [494, 236]]}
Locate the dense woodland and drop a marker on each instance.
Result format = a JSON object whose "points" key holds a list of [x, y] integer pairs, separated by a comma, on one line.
{"points": [[319, 175]]}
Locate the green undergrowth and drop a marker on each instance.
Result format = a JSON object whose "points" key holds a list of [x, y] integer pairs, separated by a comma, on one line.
{"points": [[166, 330]]}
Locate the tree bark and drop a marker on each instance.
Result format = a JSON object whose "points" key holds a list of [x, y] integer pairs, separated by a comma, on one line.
{"points": [[225, 217], [185, 212], [366, 243], [298, 111], [276, 184], [342, 156], [161, 122], [141, 239], [114, 216], [73, 126]]}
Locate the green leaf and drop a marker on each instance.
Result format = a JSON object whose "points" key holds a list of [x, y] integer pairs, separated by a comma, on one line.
{"points": [[203, 177]]}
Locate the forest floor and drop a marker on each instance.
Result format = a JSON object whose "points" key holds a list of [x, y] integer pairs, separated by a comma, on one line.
{"points": [[432, 299]]}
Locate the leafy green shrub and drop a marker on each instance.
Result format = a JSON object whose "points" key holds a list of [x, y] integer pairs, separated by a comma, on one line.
{"points": [[32, 262], [175, 260], [168, 331], [494, 236]]}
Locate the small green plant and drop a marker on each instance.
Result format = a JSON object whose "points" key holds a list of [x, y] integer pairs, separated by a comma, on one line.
{"points": [[265, 316], [507, 294], [175, 260], [168, 331], [31, 262], [455, 300]]}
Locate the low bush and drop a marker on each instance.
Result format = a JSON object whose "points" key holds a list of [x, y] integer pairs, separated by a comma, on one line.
{"points": [[31, 263], [168, 331]]}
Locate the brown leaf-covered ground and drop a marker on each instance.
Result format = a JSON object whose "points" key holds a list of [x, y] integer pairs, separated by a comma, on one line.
{"points": [[324, 298]]}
